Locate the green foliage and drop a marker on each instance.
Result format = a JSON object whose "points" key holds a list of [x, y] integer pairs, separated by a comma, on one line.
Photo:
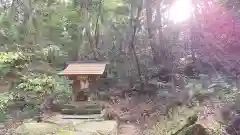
{"points": [[112, 4], [35, 87], [11, 60], [8, 30], [4, 99], [43, 83]]}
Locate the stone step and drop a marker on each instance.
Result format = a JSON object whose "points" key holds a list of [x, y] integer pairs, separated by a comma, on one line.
{"points": [[91, 116], [83, 105], [78, 111]]}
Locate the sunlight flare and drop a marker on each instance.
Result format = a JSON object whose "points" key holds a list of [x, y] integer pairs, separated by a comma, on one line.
{"points": [[180, 11]]}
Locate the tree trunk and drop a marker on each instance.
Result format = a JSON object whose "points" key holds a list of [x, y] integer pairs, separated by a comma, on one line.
{"points": [[152, 41], [46, 105], [135, 21]]}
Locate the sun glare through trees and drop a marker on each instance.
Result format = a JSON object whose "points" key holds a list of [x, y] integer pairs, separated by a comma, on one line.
{"points": [[181, 11]]}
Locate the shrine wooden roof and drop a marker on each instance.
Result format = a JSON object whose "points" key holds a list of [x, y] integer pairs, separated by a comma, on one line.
{"points": [[84, 68]]}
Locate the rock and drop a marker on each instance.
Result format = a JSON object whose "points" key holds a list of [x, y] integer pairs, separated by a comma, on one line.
{"points": [[195, 129], [37, 128], [234, 127], [82, 128], [106, 114], [98, 127], [82, 133]]}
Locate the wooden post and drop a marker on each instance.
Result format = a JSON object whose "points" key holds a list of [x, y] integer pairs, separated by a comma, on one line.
{"points": [[204, 81], [75, 88]]}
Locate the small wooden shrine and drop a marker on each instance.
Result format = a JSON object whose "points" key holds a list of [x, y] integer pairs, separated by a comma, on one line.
{"points": [[84, 74]]}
